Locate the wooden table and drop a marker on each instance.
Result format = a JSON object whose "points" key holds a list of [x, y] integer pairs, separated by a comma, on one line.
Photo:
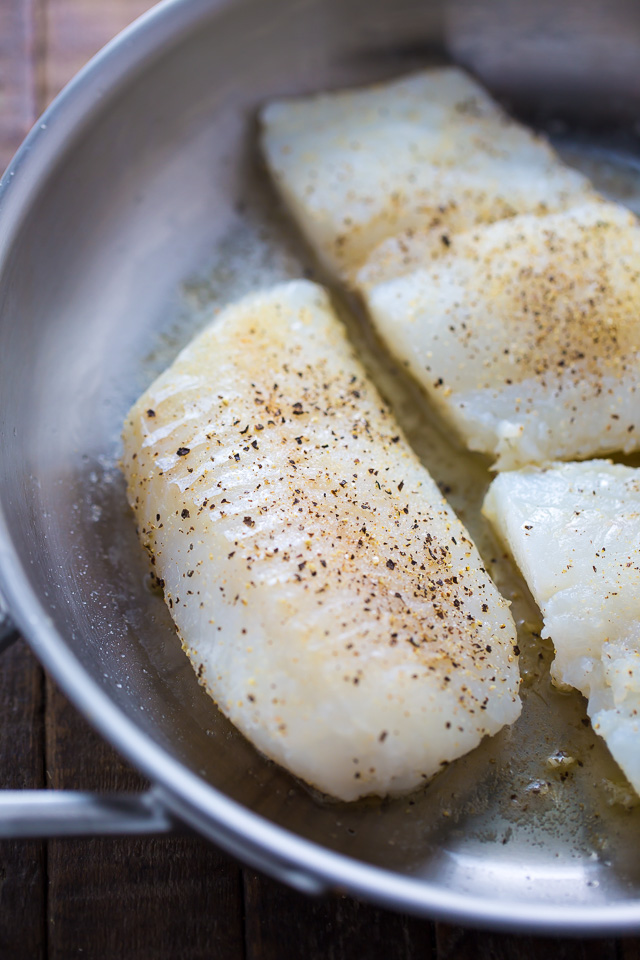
{"points": [[166, 898]]}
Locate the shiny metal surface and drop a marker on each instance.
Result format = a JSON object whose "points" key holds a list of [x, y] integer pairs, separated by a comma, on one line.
{"points": [[8, 632], [61, 813], [113, 212]]}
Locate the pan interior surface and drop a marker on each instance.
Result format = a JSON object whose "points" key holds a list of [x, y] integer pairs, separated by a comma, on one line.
{"points": [[157, 213]]}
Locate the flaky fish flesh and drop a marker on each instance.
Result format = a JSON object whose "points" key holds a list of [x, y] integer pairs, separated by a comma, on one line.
{"points": [[431, 152], [574, 531], [329, 599], [525, 334]]}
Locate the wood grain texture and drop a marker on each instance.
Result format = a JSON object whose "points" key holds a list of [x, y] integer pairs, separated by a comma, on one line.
{"points": [[22, 864], [281, 923], [457, 943], [137, 898], [76, 29], [17, 90]]}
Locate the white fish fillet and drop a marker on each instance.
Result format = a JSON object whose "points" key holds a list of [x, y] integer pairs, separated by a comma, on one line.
{"points": [[574, 531], [329, 599], [526, 334], [430, 151]]}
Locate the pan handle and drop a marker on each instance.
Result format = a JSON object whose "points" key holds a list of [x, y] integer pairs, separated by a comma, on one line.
{"points": [[43, 814], [27, 814]]}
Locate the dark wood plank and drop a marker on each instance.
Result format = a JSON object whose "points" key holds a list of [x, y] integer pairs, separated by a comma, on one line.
{"points": [[282, 923], [629, 949], [140, 898], [457, 943], [76, 29], [17, 86], [22, 863]]}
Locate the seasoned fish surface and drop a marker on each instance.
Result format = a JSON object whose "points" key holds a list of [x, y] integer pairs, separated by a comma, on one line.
{"points": [[431, 151], [329, 599], [526, 334], [574, 531]]}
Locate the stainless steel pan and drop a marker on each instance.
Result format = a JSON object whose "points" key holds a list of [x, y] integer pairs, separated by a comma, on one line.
{"points": [[115, 217]]}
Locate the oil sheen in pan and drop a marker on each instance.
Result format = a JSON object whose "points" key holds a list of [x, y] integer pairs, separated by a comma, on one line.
{"points": [[546, 784]]}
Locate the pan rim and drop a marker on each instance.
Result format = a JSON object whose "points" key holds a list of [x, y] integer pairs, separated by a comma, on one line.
{"points": [[241, 832]]}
